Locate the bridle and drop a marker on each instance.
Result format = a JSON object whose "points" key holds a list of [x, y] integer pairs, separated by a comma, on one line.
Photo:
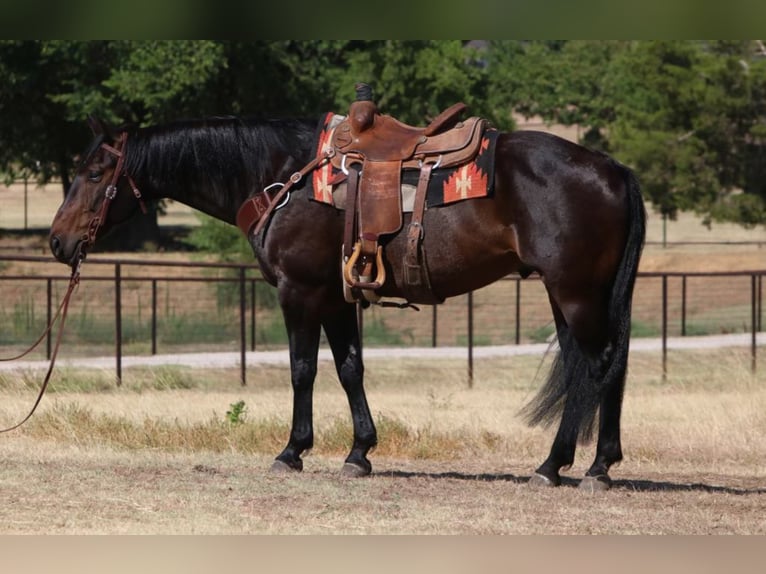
{"points": [[88, 240], [111, 191]]}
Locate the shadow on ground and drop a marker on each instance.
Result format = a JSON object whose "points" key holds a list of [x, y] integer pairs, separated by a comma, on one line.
{"points": [[623, 484]]}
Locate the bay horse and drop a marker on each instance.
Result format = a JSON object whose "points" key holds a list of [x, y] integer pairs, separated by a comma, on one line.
{"points": [[573, 215]]}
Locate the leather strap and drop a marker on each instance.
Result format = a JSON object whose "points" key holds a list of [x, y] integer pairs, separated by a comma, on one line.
{"points": [[255, 212], [349, 239], [111, 190], [417, 285], [415, 229], [74, 280], [419, 208]]}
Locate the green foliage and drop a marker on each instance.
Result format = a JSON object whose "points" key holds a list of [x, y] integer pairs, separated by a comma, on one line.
{"points": [[378, 334], [688, 123], [415, 80], [221, 239], [542, 334], [562, 81], [236, 413], [689, 116], [228, 245], [639, 329], [270, 331]]}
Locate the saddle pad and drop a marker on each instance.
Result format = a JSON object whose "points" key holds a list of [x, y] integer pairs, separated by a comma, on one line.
{"points": [[471, 180]]}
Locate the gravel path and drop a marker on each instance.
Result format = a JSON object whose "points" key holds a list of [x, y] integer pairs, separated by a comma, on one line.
{"points": [[231, 359]]}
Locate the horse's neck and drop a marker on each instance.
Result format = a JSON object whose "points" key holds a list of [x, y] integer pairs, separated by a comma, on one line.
{"points": [[215, 180], [218, 205]]}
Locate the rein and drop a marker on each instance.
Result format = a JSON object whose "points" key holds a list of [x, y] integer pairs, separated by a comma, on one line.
{"points": [[88, 240], [74, 281]]}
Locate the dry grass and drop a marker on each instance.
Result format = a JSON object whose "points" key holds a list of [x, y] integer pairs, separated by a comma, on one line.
{"points": [[157, 456], [153, 458]]}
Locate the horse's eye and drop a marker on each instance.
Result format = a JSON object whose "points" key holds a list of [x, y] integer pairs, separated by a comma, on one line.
{"points": [[95, 176]]}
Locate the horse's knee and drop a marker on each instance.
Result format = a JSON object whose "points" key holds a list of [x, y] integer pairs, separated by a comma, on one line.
{"points": [[351, 372], [303, 374]]}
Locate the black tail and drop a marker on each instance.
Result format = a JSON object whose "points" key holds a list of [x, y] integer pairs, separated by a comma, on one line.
{"points": [[574, 380]]}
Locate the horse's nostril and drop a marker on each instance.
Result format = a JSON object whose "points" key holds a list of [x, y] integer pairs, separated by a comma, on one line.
{"points": [[55, 245]]}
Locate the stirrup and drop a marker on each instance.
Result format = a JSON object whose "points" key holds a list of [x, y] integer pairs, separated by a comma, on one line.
{"points": [[366, 283]]}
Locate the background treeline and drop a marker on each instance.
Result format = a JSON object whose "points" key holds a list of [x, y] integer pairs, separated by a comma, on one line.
{"points": [[688, 116]]}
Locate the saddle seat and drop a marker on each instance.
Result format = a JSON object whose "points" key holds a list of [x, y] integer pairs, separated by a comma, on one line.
{"points": [[366, 135], [382, 147]]}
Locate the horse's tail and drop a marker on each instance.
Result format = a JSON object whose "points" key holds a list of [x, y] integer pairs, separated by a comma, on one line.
{"points": [[580, 382]]}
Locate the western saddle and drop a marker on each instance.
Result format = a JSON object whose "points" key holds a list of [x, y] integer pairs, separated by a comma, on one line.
{"points": [[372, 149], [382, 147]]}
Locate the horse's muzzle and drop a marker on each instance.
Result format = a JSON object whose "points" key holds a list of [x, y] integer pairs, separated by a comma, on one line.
{"points": [[70, 256]]}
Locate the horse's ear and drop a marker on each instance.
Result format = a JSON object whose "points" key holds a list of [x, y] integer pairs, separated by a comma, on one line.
{"points": [[99, 127]]}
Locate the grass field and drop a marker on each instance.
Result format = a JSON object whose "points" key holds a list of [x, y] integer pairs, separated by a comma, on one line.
{"points": [[161, 455]]}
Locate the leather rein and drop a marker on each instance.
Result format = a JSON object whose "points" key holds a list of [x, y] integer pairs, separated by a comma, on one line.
{"points": [[87, 241]]}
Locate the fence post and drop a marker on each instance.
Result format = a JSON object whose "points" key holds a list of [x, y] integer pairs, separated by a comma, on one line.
{"points": [[252, 314], [683, 306], [664, 327], [26, 204], [242, 326], [518, 311], [154, 316], [433, 325], [760, 303], [470, 339], [48, 305], [118, 320], [753, 321]]}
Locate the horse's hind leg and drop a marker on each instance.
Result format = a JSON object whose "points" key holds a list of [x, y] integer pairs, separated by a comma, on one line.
{"points": [[550, 401], [343, 335], [578, 385], [608, 448], [606, 356]]}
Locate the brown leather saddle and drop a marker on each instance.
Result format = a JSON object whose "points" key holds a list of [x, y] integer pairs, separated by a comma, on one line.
{"points": [[382, 147]]}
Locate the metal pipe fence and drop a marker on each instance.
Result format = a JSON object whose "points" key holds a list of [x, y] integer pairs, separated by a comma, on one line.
{"points": [[144, 307]]}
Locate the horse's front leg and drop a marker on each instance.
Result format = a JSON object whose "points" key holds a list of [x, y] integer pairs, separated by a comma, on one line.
{"points": [[343, 335], [303, 328]]}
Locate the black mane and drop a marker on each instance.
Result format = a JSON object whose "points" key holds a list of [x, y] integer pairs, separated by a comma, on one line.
{"points": [[221, 160]]}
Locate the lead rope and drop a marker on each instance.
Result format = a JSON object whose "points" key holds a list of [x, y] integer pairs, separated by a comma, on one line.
{"points": [[88, 239], [74, 281], [40, 340]]}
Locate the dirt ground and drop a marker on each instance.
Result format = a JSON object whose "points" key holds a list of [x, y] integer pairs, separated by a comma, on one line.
{"points": [[86, 489]]}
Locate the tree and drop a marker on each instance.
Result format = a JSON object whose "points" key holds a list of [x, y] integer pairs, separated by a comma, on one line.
{"points": [[51, 87], [562, 81], [414, 80], [36, 135], [688, 119], [687, 116]]}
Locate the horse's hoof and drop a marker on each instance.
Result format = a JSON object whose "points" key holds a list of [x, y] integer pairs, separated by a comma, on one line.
{"points": [[279, 467], [593, 484], [537, 480], [351, 470]]}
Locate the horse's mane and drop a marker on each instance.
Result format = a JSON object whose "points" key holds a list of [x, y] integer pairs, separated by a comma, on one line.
{"points": [[219, 154]]}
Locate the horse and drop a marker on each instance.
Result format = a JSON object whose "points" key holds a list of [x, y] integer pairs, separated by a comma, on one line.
{"points": [[573, 215]]}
